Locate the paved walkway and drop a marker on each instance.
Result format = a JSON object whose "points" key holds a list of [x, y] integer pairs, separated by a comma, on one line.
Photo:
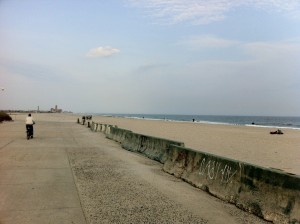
{"points": [[36, 181], [68, 174]]}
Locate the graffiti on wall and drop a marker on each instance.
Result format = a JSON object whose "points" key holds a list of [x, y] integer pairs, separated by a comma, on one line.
{"points": [[214, 170]]}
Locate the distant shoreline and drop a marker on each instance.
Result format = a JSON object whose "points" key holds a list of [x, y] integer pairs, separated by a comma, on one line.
{"points": [[255, 121], [279, 122]]}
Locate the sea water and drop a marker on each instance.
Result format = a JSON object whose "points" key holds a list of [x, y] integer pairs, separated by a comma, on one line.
{"points": [[260, 121]]}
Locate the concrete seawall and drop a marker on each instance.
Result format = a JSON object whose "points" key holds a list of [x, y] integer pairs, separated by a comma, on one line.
{"points": [[118, 134], [270, 194], [105, 128], [154, 148], [267, 193]]}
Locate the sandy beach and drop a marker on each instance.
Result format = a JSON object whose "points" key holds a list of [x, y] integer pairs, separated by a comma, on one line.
{"points": [[248, 144]]}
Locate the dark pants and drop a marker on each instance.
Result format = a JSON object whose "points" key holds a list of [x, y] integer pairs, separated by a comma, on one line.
{"points": [[29, 128]]}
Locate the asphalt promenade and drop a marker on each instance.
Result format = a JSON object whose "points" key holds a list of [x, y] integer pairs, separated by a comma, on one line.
{"points": [[68, 174]]}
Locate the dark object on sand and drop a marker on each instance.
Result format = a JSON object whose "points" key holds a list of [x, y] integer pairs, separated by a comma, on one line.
{"points": [[4, 117], [278, 132]]}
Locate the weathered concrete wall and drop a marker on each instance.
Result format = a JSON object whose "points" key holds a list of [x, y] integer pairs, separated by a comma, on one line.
{"points": [[270, 194], [154, 148], [118, 134], [93, 126], [97, 127]]}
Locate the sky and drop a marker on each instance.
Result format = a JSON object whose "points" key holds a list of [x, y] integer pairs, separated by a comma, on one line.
{"points": [[197, 57]]}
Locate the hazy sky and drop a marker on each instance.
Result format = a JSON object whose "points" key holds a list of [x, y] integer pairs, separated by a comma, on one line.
{"points": [[220, 57]]}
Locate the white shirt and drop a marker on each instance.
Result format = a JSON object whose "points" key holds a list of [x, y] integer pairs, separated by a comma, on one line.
{"points": [[29, 120]]}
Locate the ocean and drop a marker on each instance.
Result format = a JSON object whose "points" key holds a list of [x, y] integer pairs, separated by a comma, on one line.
{"points": [[261, 121]]}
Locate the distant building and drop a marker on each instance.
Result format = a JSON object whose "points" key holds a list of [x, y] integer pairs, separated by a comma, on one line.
{"points": [[55, 110]]}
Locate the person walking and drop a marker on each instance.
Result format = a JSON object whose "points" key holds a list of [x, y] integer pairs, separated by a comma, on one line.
{"points": [[29, 121]]}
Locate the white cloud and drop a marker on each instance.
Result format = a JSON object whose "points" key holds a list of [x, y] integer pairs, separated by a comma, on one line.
{"points": [[176, 11], [204, 12], [277, 48], [102, 52], [282, 55], [209, 41]]}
